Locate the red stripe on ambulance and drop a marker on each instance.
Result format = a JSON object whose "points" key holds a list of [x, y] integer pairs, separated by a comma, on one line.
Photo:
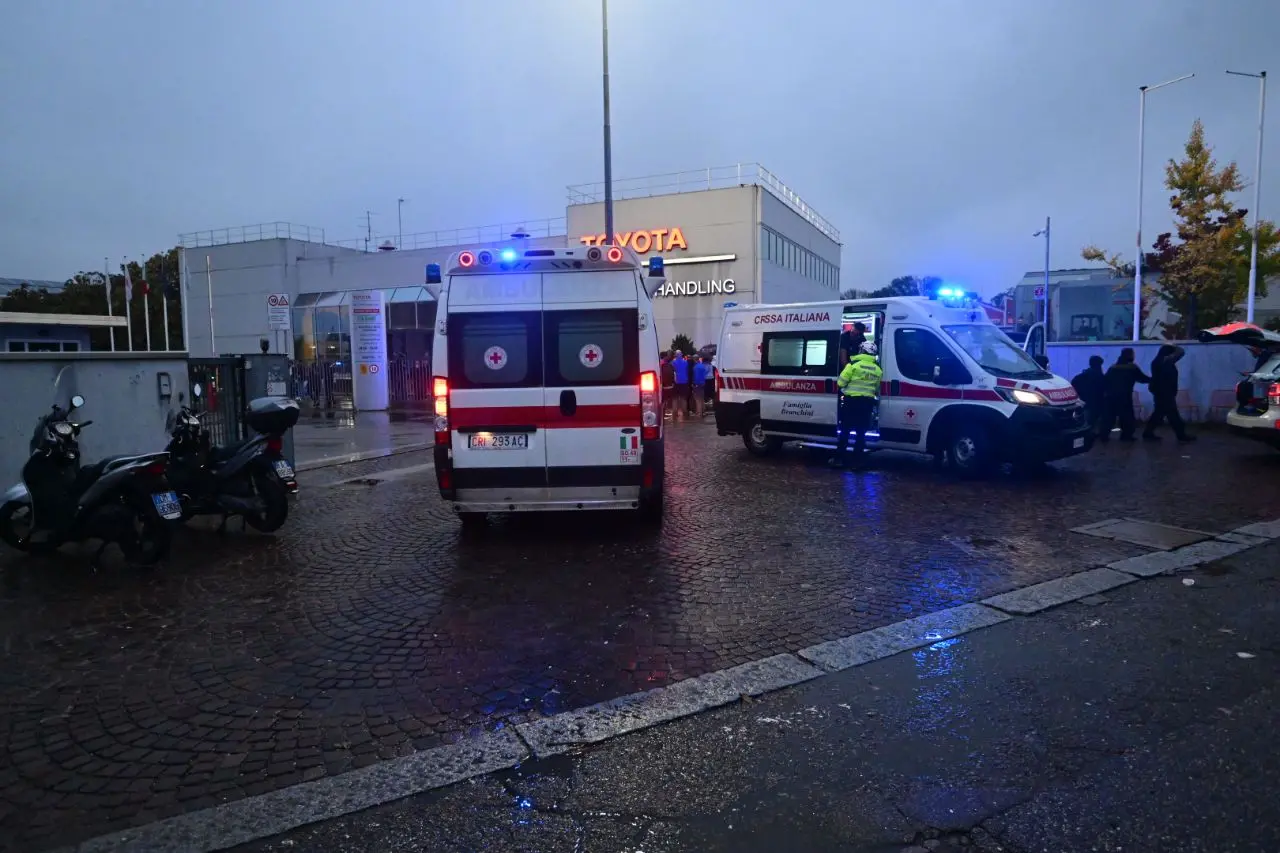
{"points": [[546, 417]]}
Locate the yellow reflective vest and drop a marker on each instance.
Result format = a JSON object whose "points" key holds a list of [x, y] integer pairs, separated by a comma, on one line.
{"points": [[860, 377]]}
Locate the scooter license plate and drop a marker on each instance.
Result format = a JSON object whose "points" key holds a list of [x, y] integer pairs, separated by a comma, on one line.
{"points": [[167, 504], [283, 470], [1077, 444]]}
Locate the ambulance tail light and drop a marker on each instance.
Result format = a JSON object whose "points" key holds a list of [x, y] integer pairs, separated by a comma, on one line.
{"points": [[440, 394], [1273, 394], [650, 407]]}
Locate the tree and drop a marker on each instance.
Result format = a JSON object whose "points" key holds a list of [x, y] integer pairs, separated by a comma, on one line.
{"points": [[684, 343], [906, 285], [1204, 276]]}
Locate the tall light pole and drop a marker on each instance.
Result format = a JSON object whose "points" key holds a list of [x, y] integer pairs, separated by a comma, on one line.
{"points": [[1261, 77], [1137, 260], [399, 224], [608, 141], [1045, 232]]}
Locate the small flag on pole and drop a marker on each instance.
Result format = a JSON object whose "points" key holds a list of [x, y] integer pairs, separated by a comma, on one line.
{"points": [[106, 282], [128, 300], [146, 303]]}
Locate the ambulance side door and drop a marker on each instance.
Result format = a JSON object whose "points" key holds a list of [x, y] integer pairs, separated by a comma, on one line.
{"points": [[798, 372], [921, 376]]}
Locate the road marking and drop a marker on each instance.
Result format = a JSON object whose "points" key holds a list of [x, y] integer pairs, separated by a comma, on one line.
{"points": [[615, 717], [241, 821], [1042, 596], [884, 642]]}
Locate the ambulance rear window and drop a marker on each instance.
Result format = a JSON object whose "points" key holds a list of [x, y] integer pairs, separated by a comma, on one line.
{"points": [[599, 347], [496, 350]]}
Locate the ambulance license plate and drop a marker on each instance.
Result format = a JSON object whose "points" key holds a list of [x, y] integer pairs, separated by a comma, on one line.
{"points": [[488, 441], [1077, 444]]}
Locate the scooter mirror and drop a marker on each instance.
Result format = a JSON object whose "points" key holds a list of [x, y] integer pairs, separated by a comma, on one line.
{"points": [[77, 401], [195, 390]]}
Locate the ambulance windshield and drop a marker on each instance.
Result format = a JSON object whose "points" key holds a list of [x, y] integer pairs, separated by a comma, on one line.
{"points": [[994, 351]]}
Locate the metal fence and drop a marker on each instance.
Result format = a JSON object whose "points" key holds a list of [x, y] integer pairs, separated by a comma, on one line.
{"points": [[470, 236], [249, 233], [711, 178], [327, 385], [222, 397]]}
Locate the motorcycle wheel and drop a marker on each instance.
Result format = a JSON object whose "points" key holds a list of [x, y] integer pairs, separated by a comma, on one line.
{"points": [[20, 541], [152, 537], [275, 495]]}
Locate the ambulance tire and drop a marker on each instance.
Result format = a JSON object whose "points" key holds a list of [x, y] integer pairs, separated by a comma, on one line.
{"points": [[970, 450], [651, 508], [754, 437]]}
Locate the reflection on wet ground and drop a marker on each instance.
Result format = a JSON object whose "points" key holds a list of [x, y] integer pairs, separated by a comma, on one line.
{"points": [[370, 627], [332, 437]]}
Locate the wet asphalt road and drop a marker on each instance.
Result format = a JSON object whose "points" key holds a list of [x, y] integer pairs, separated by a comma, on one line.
{"points": [[1137, 722], [369, 628]]}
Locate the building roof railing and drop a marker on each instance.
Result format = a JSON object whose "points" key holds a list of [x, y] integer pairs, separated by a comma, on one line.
{"points": [[250, 233], [469, 236], [714, 177]]}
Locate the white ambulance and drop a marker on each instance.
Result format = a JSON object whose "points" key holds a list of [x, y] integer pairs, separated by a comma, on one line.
{"points": [[954, 385], [545, 381]]}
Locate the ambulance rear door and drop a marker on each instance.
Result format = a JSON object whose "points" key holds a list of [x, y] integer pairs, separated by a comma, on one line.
{"points": [[495, 350], [798, 393], [591, 341]]}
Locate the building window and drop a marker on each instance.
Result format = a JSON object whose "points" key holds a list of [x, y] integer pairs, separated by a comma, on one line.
{"points": [[43, 345]]}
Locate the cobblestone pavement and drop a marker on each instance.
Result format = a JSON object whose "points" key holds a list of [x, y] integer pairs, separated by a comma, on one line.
{"points": [[370, 627]]}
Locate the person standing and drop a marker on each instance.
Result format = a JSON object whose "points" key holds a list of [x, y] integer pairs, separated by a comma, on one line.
{"points": [[1164, 394], [859, 385], [851, 342], [1118, 385], [680, 365], [1090, 384], [701, 370], [668, 384]]}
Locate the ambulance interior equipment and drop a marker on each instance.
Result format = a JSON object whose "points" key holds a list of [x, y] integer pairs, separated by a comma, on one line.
{"points": [[954, 385], [545, 381]]}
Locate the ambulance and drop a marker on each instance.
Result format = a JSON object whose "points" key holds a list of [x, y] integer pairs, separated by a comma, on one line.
{"points": [[954, 386], [545, 381]]}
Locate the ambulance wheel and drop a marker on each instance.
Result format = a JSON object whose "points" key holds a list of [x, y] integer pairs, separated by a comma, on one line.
{"points": [[651, 508], [970, 450], [755, 438]]}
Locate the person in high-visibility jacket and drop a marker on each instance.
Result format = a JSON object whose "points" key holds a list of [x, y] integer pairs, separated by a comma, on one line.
{"points": [[859, 385]]}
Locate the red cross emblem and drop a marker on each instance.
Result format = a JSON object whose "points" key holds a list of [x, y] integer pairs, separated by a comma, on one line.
{"points": [[590, 355], [911, 414], [495, 358]]}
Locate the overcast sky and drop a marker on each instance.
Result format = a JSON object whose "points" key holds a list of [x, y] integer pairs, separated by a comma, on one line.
{"points": [[935, 134]]}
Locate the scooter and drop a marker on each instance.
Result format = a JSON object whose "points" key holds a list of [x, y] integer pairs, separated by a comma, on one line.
{"points": [[250, 479], [124, 500]]}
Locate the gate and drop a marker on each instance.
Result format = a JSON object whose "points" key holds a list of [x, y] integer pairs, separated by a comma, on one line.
{"points": [[222, 400]]}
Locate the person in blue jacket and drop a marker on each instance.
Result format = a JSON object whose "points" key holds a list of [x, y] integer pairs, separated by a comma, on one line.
{"points": [[681, 396], [701, 370]]}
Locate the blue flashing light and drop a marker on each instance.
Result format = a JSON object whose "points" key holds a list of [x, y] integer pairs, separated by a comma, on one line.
{"points": [[433, 273], [655, 266], [508, 255], [950, 291]]}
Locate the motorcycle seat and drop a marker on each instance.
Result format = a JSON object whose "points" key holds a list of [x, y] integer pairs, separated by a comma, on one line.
{"points": [[219, 454], [94, 470]]}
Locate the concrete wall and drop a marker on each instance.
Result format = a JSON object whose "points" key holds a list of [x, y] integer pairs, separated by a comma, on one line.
{"points": [[1204, 369], [120, 394], [779, 283], [35, 332], [243, 275]]}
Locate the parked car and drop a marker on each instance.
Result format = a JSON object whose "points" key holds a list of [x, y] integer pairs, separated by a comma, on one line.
{"points": [[1257, 411]]}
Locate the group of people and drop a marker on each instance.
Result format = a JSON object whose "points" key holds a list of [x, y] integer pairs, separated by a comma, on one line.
{"points": [[1108, 397], [687, 383]]}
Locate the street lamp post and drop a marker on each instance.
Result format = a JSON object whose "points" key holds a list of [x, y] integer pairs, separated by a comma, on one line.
{"points": [[1137, 261], [608, 142], [1045, 313], [399, 224], [1257, 188]]}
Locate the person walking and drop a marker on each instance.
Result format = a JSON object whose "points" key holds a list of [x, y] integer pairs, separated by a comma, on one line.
{"points": [[701, 370], [1164, 394], [680, 365], [1118, 384], [859, 385], [1090, 384]]}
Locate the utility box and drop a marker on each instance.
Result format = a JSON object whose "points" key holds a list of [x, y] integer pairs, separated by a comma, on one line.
{"points": [[267, 375]]}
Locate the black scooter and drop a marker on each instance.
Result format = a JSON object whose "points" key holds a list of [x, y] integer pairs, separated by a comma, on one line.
{"points": [[122, 499], [250, 479]]}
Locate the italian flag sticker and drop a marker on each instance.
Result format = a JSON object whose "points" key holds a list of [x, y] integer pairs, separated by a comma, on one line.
{"points": [[629, 442]]}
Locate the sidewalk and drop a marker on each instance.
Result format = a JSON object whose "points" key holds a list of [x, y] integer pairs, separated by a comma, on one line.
{"points": [[1142, 720], [325, 438]]}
